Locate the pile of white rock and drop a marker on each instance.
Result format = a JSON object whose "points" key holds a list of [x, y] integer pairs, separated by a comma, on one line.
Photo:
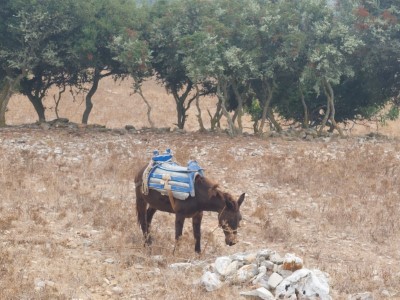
{"points": [[267, 275]]}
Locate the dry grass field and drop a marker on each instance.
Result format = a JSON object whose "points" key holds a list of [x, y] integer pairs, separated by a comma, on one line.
{"points": [[68, 228]]}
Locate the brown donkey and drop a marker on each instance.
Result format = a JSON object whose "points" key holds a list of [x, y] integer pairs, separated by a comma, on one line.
{"points": [[207, 198]]}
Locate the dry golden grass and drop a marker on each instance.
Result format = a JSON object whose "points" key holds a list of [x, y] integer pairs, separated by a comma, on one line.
{"points": [[68, 226]]}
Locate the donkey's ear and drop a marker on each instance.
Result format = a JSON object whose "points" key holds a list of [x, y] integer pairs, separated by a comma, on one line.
{"points": [[198, 178], [241, 199], [229, 204]]}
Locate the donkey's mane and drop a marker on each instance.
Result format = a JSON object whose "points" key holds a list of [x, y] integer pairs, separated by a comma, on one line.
{"points": [[214, 190], [209, 183]]}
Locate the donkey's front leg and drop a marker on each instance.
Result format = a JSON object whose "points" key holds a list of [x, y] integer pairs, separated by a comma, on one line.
{"points": [[179, 221], [142, 212], [196, 221]]}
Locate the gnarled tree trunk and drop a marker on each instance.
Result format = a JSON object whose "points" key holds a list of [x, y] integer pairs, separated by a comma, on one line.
{"points": [[37, 103], [140, 92], [330, 113], [180, 100], [239, 109], [5, 95], [88, 98], [274, 122], [306, 119], [222, 91], [199, 118], [216, 118], [268, 91], [57, 99], [6, 90]]}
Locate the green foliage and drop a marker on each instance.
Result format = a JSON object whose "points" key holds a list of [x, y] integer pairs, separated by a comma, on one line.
{"points": [[255, 110], [175, 31], [134, 56], [393, 113], [176, 28], [36, 36], [377, 113], [101, 21], [257, 48]]}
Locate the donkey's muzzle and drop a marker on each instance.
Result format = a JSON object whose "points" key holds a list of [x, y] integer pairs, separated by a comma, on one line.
{"points": [[230, 241]]}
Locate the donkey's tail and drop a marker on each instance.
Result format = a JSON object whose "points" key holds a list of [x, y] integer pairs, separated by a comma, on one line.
{"points": [[141, 204]]}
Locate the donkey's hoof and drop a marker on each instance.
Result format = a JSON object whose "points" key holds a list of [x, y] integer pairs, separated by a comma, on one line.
{"points": [[148, 240]]}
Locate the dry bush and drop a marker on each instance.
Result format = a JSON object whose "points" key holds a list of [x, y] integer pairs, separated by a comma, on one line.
{"points": [[261, 211], [276, 230], [112, 214], [36, 216], [13, 285], [6, 220], [293, 214], [182, 154]]}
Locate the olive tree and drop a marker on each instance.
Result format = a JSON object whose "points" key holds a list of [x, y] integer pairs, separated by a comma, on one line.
{"points": [[33, 51], [101, 21], [376, 64], [134, 55], [173, 24], [331, 44]]}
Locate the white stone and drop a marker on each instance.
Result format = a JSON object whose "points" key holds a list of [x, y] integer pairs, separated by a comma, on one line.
{"points": [[138, 267], [239, 256], [261, 292], [250, 258], [109, 260], [290, 258], [308, 283], [274, 280], [157, 258], [361, 296], [266, 253], [261, 278], [117, 290], [262, 270], [386, 293], [276, 259], [246, 272], [284, 273], [211, 281], [221, 264], [40, 284], [232, 268], [180, 266], [156, 272], [50, 283], [268, 264], [58, 150]]}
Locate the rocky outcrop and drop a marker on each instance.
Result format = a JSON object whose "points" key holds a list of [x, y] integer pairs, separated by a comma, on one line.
{"points": [[267, 275]]}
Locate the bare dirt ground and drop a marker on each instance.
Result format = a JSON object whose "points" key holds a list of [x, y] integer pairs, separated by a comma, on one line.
{"points": [[68, 228]]}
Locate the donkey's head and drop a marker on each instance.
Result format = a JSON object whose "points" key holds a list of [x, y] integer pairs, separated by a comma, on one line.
{"points": [[230, 217]]}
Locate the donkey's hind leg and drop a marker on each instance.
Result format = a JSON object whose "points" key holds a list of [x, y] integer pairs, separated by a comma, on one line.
{"points": [[141, 210], [149, 216]]}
